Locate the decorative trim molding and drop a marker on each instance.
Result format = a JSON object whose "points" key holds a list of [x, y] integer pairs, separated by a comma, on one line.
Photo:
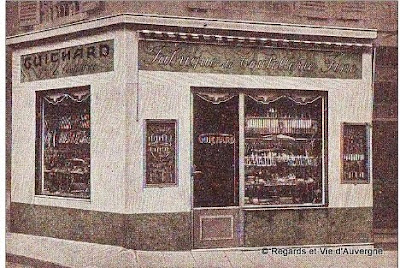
{"points": [[190, 22]]}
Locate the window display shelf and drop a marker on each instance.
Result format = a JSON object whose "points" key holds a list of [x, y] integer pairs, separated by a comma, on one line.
{"points": [[271, 159], [280, 125]]}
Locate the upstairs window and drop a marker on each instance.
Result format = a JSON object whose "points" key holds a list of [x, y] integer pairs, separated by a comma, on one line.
{"points": [[42, 14]]}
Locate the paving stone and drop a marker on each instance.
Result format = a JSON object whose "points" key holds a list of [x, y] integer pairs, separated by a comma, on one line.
{"points": [[82, 254], [259, 259], [150, 259], [238, 259], [210, 259], [43, 248], [179, 259]]}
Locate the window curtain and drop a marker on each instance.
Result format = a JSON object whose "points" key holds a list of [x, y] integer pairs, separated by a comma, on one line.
{"points": [[272, 96], [78, 96], [216, 98]]}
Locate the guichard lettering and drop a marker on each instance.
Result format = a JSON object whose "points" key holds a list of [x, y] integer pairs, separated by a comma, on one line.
{"points": [[64, 55]]}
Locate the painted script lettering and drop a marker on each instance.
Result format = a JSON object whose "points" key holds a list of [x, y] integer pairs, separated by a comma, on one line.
{"points": [[205, 58], [162, 57]]}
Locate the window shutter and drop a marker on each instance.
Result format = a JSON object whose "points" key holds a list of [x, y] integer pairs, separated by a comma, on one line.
{"points": [[88, 5], [312, 9], [351, 10], [28, 13], [282, 7]]}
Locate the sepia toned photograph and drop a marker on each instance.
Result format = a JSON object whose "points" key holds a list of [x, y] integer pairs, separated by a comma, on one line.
{"points": [[201, 134]]}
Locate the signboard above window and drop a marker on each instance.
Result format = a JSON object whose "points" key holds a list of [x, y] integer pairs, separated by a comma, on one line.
{"points": [[247, 60], [71, 61]]}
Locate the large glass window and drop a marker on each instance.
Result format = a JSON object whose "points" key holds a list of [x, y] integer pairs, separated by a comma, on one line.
{"points": [[284, 154], [63, 143]]}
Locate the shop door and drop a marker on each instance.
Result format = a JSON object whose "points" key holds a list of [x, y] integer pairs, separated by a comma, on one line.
{"points": [[215, 170]]}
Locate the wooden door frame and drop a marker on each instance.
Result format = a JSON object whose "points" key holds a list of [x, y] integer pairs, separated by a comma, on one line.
{"points": [[207, 210]]}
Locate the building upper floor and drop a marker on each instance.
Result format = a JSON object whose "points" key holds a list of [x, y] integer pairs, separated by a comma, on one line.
{"points": [[25, 16]]}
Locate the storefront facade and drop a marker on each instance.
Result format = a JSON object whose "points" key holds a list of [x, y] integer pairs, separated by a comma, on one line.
{"points": [[169, 133]]}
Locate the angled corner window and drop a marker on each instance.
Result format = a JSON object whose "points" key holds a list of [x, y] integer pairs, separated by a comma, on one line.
{"points": [[63, 142]]}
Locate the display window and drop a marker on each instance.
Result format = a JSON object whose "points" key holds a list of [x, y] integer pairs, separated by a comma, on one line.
{"points": [[283, 136], [284, 153], [63, 143]]}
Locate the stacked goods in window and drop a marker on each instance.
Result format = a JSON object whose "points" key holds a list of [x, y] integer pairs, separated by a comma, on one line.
{"points": [[283, 124], [283, 153], [74, 129]]}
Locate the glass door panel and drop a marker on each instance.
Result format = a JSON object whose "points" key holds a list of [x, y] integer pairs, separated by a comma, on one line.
{"points": [[215, 154]]}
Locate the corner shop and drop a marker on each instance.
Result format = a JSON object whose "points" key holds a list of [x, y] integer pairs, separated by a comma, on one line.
{"points": [[134, 93]]}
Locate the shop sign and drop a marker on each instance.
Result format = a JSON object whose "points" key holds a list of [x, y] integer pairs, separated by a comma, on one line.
{"points": [[71, 61], [216, 139], [160, 151], [224, 59], [355, 153]]}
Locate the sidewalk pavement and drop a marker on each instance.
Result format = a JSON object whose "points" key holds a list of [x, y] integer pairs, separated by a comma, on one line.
{"points": [[67, 253]]}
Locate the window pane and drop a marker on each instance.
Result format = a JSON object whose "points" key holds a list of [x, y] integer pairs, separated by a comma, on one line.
{"points": [[283, 149], [64, 149]]}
